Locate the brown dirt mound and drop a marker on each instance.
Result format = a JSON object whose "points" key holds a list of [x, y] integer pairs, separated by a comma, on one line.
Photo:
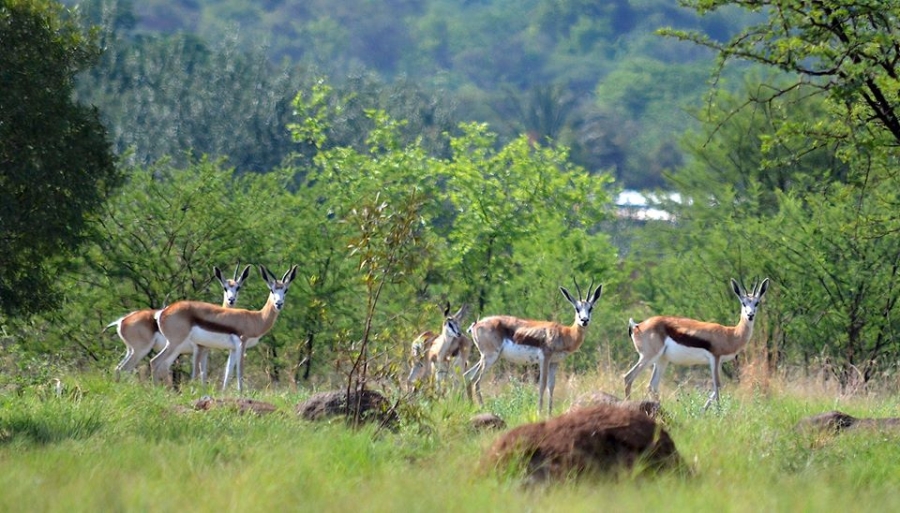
{"points": [[486, 421], [650, 408], [837, 422], [602, 439], [373, 407], [240, 405]]}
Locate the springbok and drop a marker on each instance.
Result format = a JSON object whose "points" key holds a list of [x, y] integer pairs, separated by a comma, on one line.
{"points": [[430, 351], [140, 333], [662, 340], [216, 327], [524, 342], [201, 353]]}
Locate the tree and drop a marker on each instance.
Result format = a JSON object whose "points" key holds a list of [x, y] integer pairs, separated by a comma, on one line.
{"points": [[846, 49], [56, 163], [159, 237], [520, 200], [164, 232], [542, 113], [839, 259], [179, 98], [499, 229], [741, 150], [797, 181], [377, 195]]}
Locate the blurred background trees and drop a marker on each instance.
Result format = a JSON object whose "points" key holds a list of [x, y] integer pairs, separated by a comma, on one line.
{"points": [[217, 78]]}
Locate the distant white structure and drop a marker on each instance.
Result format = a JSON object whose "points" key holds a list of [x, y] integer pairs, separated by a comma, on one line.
{"points": [[640, 206]]}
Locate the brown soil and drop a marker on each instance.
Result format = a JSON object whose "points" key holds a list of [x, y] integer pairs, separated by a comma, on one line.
{"points": [[372, 406], [240, 405], [650, 408], [837, 422], [602, 439]]}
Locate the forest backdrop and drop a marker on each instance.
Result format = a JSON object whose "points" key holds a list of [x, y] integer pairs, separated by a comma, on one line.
{"points": [[405, 154]]}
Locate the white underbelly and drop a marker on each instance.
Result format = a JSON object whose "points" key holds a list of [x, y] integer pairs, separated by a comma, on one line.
{"points": [[520, 354], [684, 355], [212, 339], [525, 355]]}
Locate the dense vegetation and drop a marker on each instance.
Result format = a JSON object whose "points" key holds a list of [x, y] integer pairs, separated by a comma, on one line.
{"points": [[396, 192], [391, 208], [216, 78]]}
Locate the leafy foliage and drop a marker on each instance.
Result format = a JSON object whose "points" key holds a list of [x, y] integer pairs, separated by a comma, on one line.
{"points": [[179, 98], [391, 207], [466, 226], [796, 182], [168, 228], [56, 164], [844, 49]]}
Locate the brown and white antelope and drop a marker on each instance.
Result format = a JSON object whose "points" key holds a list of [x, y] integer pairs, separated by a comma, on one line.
{"points": [[201, 353], [525, 342], [213, 326], [432, 352], [662, 340], [140, 333]]}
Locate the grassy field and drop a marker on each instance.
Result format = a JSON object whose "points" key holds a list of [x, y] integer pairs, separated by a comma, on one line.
{"points": [[130, 446]]}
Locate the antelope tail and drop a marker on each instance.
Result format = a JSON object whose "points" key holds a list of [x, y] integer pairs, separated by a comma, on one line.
{"points": [[631, 326], [114, 323]]}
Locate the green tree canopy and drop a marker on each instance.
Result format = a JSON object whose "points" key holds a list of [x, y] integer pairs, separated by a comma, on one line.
{"points": [[56, 163], [846, 49], [795, 179]]}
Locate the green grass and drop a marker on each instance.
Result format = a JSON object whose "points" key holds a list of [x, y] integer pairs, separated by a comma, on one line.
{"points": [[129, 446]]}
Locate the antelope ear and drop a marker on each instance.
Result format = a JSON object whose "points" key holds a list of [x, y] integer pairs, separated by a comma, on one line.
{"points": [[289, 276], [264, 273], [596, 295], [736, 288], [447, 309], [244, 275], [763, 288], [568, 296], [218, 273]]}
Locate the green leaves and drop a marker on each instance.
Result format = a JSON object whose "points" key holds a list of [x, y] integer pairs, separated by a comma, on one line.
{"points": [[314, 115], [794, 179], [56, 163], [472, 228], [844, 48], [507, 201]]}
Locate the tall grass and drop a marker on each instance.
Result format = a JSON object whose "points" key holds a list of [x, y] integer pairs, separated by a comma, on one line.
{"points": [[96, 445]]}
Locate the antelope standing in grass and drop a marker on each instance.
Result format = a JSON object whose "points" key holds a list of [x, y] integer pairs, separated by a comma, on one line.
{"points": [[201, 353], [662, 340], [216, 327], [432, 352], [140, 333], [525, 342]]}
